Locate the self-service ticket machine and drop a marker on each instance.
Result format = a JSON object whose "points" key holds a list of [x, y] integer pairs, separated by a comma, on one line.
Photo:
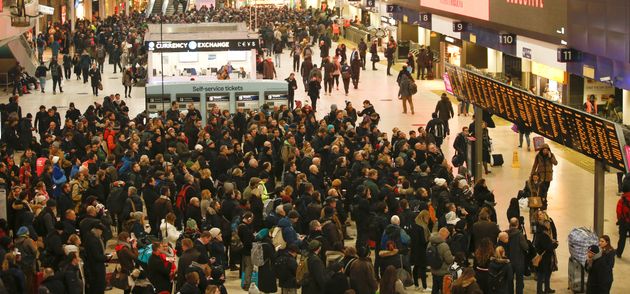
{"points": [[221, 100], [157, 103], [248, 101], [276, 98], [185, 98]]}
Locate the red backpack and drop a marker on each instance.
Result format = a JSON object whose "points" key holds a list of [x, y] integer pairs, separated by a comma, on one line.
{"points": [[180, 201]]}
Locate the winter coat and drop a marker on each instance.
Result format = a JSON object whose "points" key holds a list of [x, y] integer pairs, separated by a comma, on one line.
{"points": [[419, 240], [445, 255], [289, 234], [337, 284], [266, 272], [517, 250], [444, 109], [285, 266], [126, 257], [545, 246], [316, 278], [169, 232], [269, 71], [600, 275], [159, 274], [405, 86], [189, 289], [333, 238], [362, 278], [543, 166], [468, 286], [94, 263], [485, 229], [504, 266]]}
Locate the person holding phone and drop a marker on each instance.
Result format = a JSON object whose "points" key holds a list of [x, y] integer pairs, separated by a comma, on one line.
{"points": [[543, 166]]}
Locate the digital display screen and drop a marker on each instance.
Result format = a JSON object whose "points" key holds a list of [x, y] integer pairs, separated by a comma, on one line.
{"points": [[590, 135], [219, 98], [247, 97], [473, 8], [546, 17], [277, 97]]}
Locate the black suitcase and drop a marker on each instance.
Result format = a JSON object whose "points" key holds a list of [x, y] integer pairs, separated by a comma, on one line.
{"points": [[497, 159]]}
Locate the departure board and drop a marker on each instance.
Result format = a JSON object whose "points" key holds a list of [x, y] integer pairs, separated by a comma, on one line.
{"points": [[593, 136]]}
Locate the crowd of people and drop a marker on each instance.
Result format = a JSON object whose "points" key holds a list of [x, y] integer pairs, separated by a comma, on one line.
{"points": [[274, 193]]}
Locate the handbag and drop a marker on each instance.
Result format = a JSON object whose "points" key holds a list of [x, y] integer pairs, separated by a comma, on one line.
{"points": [[119, 279], [100, 86], [403, 275], [376, 58], [536, 260], [534, 201]]}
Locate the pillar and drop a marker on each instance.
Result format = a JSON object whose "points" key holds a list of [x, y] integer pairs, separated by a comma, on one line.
{"points": [[625, 107], [477, 168], [526, 68], [598, 201], [492, 60]]}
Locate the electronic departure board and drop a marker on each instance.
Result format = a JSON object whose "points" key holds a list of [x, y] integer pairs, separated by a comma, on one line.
{"points": [[591, 135]]}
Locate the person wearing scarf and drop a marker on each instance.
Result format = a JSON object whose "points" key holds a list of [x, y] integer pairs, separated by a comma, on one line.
{"points": [[160, 270]]}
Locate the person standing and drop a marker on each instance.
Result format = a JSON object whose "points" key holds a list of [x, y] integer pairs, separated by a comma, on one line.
{"points": [[277, 51], [292, 87], [437, 128], [269, 71], [285, 267], [316, 277], [345, 77], [406, 90], [389, 53], [442, 256], [329, 68], [95, 79], [126, 81], [95, 260], [114, 57], [41, 45], [40, 74], [305, 71], [85, 62], [517, 246], [362, 52], [623, 218], [543, 166], [355, 70], [337, 71], [56, 74], [374, 51], [67, 66], [324, 51], [54, 48], [600, 271], [100, 57], [246, 234], [313, 91], [545, 246], [296, 52], [445, 112], [160, 270]]}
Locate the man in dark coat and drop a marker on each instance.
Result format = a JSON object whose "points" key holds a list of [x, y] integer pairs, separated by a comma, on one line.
{"points": [[516, 253], [600, 275], [316, 279], [189, 255], [95, 261], [444, 109], [286, 268], [484, 228], [159, 270]]}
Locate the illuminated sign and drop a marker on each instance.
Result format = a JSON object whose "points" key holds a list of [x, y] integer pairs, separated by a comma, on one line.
{"points": [[540, 16], [215, 45], [590, 135], [472, 8]]}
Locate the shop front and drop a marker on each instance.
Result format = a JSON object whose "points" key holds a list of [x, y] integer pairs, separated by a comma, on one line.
{"points": [[548, 82]]}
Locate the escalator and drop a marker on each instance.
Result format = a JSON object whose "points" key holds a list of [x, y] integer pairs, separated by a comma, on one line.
{"points": [[157, 6]]}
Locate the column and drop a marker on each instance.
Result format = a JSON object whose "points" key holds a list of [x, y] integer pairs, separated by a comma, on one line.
{"points": [[526, 68], [492, 60], [477, 168], [598, 201], [625, 107]]}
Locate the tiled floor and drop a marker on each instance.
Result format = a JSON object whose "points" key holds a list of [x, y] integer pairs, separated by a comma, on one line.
{"points": [[571, 192]]}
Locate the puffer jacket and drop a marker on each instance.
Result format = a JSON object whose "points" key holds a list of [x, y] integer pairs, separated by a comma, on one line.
{"points": [[169, 232], [445, 255]]}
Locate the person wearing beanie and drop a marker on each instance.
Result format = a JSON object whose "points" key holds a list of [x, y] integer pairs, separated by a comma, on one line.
{"points": [[316, 278], [600, 271]]}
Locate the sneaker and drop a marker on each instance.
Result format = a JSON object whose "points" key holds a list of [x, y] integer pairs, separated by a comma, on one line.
{"points": [[427, 290]]}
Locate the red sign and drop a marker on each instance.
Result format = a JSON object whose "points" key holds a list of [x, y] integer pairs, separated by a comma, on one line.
{"points": [[472, 8], [447, 83]]}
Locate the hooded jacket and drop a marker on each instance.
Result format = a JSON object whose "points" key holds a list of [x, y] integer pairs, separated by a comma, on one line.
{"points": [[445, 255]]}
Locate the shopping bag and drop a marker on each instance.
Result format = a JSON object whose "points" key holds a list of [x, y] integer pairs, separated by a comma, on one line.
{"points": [[535, 202], [254, 278]]}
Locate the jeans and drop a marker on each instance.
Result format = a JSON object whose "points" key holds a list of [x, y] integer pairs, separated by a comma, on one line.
{"points": [[42, 83], [405, 100], [520, 139], [56, 81], [101, 66], [420, 270], [543, 279], [277, 59], [247, 267], [67, 71], [346, 85], [314, 103], [127, 91], [437, 284], [296, 63], [362, 55], [336, 79], [390, 62], [464, 107], [624, 228], [328, 84]]}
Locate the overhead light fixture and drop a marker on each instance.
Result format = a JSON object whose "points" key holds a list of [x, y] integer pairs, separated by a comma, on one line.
{"points": [[449, 39], [604, 79], [563, 42]]}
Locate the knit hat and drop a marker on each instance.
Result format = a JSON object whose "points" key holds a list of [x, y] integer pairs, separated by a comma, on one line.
{"points": [[215, 232], [439, 181], [23, 231], [314, 245], [594, 249], [451, 218]]}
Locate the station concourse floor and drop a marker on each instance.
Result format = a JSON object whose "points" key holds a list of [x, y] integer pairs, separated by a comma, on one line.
{"points": [[570, 194]]}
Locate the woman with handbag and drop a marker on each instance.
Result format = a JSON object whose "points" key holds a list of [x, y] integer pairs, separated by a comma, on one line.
{"points": [[127, 253], [534, 201], [544, 260]]}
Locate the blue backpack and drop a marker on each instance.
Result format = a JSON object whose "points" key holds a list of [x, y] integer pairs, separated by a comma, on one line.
{"points": [[144, 254]]}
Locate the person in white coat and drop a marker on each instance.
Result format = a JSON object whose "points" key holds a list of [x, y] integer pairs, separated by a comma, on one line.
{"points": [[168, 229]]}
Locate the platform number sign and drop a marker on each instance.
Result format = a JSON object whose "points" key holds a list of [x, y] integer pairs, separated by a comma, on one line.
{"points": [[370, 3], [569, 55], [425, 20], [459, 26], [507, 39]]}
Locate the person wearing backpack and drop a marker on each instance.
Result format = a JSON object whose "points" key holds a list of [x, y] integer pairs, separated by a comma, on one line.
{"points": [[444, 109], [439, 258], [28, 257], [285, 267], [314, 277], [623, 216], [499, 272], [264, 258], [40, 74], [407, 88], [438, 128], [57, 75]]}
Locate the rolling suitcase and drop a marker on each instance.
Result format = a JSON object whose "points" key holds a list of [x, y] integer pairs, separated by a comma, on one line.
{"points": [[577, 276], [497, 159]]}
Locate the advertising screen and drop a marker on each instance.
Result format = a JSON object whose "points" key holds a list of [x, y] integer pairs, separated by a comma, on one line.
{"points": [[472, 8], [548, 17], [590, 135]]}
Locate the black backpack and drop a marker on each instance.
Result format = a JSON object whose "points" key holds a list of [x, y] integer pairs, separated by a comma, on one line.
{"points": [[496, 278], [39, 224], [433, 257]]}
